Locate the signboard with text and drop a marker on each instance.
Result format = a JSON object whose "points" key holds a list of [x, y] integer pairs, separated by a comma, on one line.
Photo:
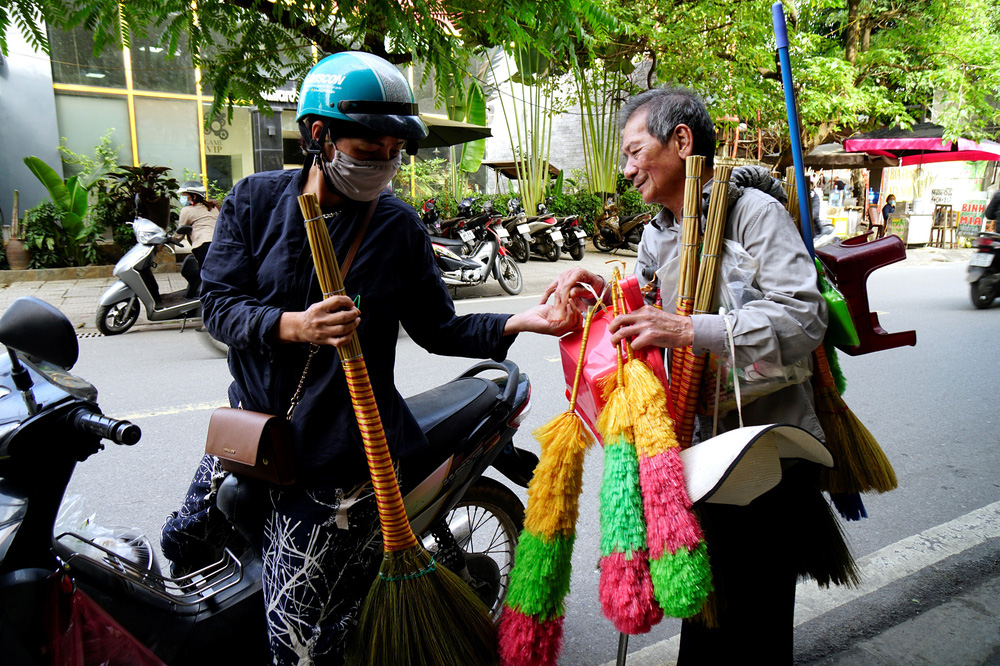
{"points": [[970, 217]]}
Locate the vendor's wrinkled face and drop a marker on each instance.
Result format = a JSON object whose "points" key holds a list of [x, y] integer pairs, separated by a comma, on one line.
{"points": [[656, 169]]}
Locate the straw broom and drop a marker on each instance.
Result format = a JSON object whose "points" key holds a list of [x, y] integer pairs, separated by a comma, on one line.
{"points": [[417, 612], [531, 624], [689, 384], [625, 588], [690, 237], [862, 466]]}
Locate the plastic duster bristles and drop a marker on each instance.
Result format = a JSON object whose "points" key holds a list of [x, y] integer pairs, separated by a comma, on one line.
{"points": [[679, 566]]}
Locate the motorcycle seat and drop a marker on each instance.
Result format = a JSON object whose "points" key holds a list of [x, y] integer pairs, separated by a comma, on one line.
{"points": [[448, 413], [448, 242]]}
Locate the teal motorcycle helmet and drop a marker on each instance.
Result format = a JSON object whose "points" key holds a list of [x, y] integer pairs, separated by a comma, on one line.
{"points": [[357, 87]]}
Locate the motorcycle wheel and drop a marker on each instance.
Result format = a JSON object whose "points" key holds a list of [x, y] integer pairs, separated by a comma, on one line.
{"points": [[486, 524], [576, 252], [509, 275], [118, 317], [600, 243], [519, 248], [551, 251], [982, 294]]}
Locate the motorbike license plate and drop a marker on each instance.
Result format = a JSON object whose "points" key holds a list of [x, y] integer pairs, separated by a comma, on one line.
{"points": [[982, 259], [466, 235], [502, 233], [580, 233], [557, 236], [523, 229]]}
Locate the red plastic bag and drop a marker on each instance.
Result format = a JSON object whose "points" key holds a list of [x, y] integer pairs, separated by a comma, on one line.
{"points": [[601, 358], [81, 633]]}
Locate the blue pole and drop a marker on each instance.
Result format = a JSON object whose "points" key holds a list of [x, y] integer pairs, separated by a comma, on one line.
{"points": [[794, 129]]}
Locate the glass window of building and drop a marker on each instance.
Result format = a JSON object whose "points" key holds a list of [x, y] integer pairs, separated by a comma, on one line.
{"points": [[228, 147], [84, 119], [167, 134], [152, 69], [73, 60]]}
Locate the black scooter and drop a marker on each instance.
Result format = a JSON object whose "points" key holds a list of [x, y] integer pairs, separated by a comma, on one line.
{"points": [[50, 420], [984, 270]]}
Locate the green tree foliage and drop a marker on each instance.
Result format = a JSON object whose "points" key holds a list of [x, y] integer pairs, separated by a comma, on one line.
{"points": [[247, 48], [858, 64]]}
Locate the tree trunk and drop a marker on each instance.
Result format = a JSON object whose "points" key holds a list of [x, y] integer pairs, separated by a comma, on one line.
{"points": [[853, 31]]}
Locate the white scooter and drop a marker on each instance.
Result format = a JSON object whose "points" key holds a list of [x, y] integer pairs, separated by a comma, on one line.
{"points": [[118, 308]]}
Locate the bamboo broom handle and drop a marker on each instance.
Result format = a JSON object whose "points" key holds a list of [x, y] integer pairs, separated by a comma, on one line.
{"points": [[396, 531], [690, 385], [690, 230]]}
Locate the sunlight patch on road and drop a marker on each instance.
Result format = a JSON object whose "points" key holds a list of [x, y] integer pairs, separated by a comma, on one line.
{"points": [[180, 409]]}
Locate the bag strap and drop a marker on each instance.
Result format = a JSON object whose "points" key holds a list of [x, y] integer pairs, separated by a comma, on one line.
{"points": [[736, 377], [344, 267], [343, 270]]}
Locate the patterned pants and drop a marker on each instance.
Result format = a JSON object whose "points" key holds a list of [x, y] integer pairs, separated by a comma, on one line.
{"points": [[322, 549]]}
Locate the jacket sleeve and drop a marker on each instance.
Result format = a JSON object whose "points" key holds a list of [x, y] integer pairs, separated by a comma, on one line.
{"points": [[229, 310], [429, 316], [789, 321]]}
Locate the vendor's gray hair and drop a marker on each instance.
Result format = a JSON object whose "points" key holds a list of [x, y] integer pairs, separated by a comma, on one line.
{"points": [[669, 107]]}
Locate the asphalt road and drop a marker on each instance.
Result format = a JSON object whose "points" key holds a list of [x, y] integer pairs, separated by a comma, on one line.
{"points": [[932, 407]]}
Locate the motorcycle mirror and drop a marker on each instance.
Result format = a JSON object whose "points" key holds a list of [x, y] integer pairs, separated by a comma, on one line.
{"points": [[39, 331]]}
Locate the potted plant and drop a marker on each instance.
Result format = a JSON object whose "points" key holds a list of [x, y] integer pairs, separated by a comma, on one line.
{"points": [[151, 183]]}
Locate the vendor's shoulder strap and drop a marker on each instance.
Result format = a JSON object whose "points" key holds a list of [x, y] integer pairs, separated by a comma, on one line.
{"points": [[357, 239]]}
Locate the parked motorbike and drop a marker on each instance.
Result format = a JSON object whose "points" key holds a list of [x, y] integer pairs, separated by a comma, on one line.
{"points": [[984, 270], [545, 238], [431, 218], [574, 237], [477, 253], [50, 420], [518, 241], [618, 233], [118, 308]]}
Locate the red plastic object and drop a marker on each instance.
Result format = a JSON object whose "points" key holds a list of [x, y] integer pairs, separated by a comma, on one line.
{"points": [[601, 360], [849, 263]]}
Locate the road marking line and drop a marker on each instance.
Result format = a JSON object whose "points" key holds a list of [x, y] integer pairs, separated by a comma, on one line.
{"points": [[883, 567], [196, 407]]}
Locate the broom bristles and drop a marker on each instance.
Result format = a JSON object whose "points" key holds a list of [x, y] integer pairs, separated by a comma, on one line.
{"points": [[862, 466], [422, 613]]}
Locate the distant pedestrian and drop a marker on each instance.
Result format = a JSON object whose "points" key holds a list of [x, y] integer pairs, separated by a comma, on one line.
{"points": [[889, 208], [199, 212]]}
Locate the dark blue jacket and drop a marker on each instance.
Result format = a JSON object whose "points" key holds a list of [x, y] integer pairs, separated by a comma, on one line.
{"points": [[259, 265]]}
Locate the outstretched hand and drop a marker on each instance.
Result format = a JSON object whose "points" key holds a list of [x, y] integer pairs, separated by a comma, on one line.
{"points": [[570, 288], [549, 319]]}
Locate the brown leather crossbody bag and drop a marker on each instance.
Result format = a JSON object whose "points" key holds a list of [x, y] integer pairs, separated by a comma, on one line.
{"points": [[260, 445]]}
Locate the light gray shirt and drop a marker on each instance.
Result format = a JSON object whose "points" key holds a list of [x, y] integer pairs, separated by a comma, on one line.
{"points": [[782, 327]]}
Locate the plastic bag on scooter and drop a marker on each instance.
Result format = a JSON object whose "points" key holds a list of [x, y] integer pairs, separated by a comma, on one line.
{"points": [[73, 519], [78, 632]]}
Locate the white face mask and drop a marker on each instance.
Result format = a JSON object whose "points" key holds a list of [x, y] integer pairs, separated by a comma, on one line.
{"points": [[360, 180]]}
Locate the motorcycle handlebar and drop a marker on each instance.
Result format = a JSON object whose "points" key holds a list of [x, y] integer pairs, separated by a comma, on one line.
{"points": [[119, 432]]}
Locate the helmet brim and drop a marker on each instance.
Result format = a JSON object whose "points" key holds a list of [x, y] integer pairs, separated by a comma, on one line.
{"points": [[408, 128]]}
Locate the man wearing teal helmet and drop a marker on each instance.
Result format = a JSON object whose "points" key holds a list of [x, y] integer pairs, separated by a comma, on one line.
{"points": [[260, 296]]}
